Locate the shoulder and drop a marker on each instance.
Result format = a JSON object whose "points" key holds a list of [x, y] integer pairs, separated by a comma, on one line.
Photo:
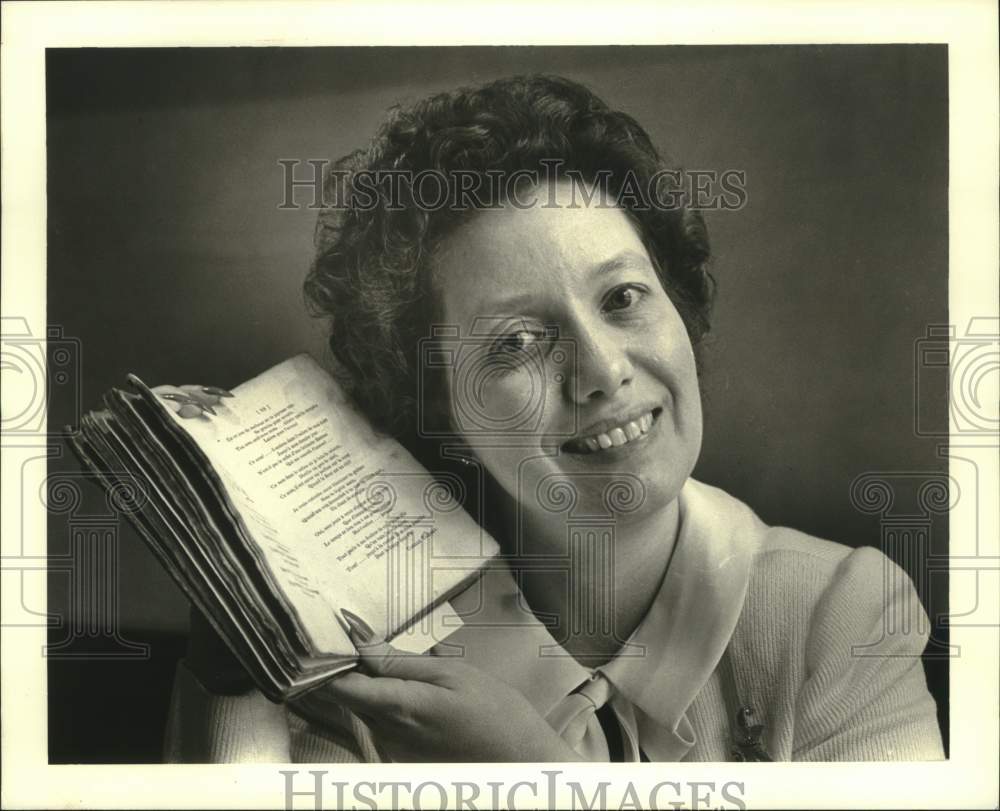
{"points": [[852, 630], [805, 568], [795, 583], [829, 643], [834, 600], [787, 571]]}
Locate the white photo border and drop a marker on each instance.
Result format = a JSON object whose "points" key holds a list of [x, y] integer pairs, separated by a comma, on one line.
{"points": [[967, 779]]}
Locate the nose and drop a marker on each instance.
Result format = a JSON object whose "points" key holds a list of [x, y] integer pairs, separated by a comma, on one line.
{"points": [[601, 367]]}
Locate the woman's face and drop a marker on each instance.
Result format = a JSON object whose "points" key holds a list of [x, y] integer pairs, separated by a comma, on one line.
{"points": [[573, 369]]}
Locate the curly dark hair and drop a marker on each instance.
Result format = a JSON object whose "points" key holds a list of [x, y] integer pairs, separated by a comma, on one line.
{"points": [[371, 273]]}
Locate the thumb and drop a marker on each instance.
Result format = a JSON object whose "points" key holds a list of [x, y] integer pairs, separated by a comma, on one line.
{"points": [[381, 659]]}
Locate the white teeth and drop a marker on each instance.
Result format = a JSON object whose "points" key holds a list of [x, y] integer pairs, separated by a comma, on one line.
{"points": [[617, 437]]}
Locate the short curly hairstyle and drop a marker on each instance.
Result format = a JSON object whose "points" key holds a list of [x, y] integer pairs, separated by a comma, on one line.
{"points": [[372, 269]]}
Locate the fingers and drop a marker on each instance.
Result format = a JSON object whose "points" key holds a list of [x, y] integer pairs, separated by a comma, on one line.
{"points": [[381, 659], [191, 400], [179, 401], [207, 395], [391, 689], [370, 697]]}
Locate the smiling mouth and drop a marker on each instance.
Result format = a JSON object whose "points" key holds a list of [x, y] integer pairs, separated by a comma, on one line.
{"points": [[616, 437]]}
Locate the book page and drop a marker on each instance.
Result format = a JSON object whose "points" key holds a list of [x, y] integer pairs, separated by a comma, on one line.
{"points": [[345, 518]]}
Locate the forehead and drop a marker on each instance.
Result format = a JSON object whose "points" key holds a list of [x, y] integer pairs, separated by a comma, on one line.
{"points": [[551, 247]]}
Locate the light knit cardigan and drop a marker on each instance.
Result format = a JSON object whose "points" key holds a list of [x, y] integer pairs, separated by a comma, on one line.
{"points": [[825, 644]]}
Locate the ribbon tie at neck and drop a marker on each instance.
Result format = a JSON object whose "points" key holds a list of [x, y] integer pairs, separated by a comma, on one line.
{"points": [[576, 719]]}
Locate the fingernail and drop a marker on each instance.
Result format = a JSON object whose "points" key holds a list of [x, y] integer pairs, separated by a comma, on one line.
{"points": [[185, 399], [343, 624], [216, 391], [359, 628]]}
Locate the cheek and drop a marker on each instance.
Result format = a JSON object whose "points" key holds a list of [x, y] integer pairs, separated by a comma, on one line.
{"points": [[506, 404], [671, 337], [662, 341], [504, 422], [668, 358]]}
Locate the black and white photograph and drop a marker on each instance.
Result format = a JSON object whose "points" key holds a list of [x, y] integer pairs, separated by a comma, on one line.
{"points": [[471, 408]]}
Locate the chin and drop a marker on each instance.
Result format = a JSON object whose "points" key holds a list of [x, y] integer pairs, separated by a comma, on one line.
{"points": [[630, 488]]}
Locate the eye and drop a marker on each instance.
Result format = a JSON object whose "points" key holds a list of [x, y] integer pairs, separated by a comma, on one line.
{"points": [[623, 298], [514, 343]]}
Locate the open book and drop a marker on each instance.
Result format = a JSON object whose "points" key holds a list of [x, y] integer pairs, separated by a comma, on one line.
{"points": [[281, 509]]}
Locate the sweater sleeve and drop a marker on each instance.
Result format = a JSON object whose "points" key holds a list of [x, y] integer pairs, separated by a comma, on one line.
{"points": [[204, 727], [865, 695]]}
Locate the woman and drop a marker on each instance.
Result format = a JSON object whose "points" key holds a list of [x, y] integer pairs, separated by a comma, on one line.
{"points": [[638, 614]]}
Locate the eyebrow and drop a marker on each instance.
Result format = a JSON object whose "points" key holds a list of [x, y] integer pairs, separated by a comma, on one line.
{"points": [[625, 259], [622, 260]]}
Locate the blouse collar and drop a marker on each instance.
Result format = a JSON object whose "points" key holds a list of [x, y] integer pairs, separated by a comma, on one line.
{"points": [[671, 654]]}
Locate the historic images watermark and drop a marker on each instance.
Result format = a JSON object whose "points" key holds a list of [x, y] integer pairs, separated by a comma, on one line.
{"points": [[591, 505], [958, 367], [35, 369], [965, 361], [544, 789], [964, 365], [316, 183]]}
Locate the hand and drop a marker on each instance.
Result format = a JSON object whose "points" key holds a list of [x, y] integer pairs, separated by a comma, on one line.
{"points": [[191, 400], [432, 708]]}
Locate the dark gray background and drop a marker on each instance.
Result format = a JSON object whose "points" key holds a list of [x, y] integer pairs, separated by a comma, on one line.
{"points": [[168, 255]]}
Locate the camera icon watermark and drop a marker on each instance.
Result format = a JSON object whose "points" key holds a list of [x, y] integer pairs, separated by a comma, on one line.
{"points": [[33, 370], [474, 362], [912, 508], [968, 368], [84, 566]]}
